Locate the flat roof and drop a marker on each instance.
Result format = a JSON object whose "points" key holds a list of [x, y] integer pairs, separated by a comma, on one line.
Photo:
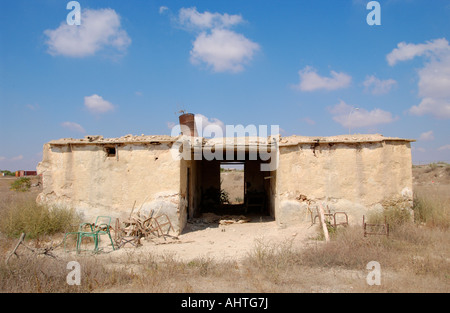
{"points": [[128, 139], [350, 139], [283, 141]]}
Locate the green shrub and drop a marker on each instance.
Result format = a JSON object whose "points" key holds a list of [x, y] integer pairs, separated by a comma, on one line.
{"points": [[21, 184], [8, 173], [224, 197]]}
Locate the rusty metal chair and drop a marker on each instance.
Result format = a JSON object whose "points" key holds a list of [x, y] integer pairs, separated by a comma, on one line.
{"points": [[376, 229]]}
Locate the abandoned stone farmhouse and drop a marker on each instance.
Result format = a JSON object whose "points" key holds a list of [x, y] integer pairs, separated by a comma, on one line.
{"points": [[112, 176]]}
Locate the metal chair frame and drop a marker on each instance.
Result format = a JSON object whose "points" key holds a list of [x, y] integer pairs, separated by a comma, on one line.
{"points": [[96, 230]]}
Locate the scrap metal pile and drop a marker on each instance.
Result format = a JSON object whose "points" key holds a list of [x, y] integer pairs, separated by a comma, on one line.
{"points": [[139, 226]]}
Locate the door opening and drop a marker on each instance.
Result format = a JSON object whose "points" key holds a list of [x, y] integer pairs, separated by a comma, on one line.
{"points": [[232, 183], [232, 188]]}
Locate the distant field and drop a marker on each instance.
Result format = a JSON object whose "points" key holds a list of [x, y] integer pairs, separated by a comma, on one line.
{"points": [[5, 184], [233, 183]]}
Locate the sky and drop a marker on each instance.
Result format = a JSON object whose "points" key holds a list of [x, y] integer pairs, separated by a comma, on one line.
{"points": [[314, 68]]}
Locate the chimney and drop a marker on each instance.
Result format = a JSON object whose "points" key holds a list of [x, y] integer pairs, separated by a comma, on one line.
{"points": [[187, 124]]}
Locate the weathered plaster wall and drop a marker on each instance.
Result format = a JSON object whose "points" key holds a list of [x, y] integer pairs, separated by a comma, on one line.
{"points": [[84, 178], [354, 177], [350, 177]]}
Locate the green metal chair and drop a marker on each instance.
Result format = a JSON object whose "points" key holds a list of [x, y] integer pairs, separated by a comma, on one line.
{"points": [[101, 226]]}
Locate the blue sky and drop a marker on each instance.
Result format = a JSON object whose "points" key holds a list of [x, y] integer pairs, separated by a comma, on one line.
{"points": [[315, 68]]}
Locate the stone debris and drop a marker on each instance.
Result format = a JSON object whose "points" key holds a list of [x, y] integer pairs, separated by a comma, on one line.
{"points": [[127, 138], [211, 218], [286, 141], [234, 220], [294, 139]]}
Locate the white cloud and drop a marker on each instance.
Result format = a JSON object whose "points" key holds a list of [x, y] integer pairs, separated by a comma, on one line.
{"points": [[99, 29], [426, 136], [96, 104], [223, 50], [163, 9], [33, 107], [213, 124], [446, 147], [191, 18], [17, 158], [207, 127], [377, 86], [73, 127], [171, 125], [419, 149], [311, 81], [405, 51], [216, 45], [436, 107], [434, 88], [349, 116], [434, 77], [309, 121]]}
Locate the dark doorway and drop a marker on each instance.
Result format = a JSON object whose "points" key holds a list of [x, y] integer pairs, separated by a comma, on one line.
{"points": [[234, 188]]}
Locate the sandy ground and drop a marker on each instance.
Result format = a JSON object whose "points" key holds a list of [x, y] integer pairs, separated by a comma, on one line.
{"points": [[217, 242], [206, 238]]}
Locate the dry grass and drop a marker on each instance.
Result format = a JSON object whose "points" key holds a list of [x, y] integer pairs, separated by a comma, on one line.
{"points": [[144, 274], [432, 206], [412, 259], [20, 214], [46, 275]]}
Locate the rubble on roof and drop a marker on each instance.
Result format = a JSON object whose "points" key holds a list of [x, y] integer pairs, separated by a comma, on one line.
{"points": [[353, 138], [124, 139], [283, 141]]}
